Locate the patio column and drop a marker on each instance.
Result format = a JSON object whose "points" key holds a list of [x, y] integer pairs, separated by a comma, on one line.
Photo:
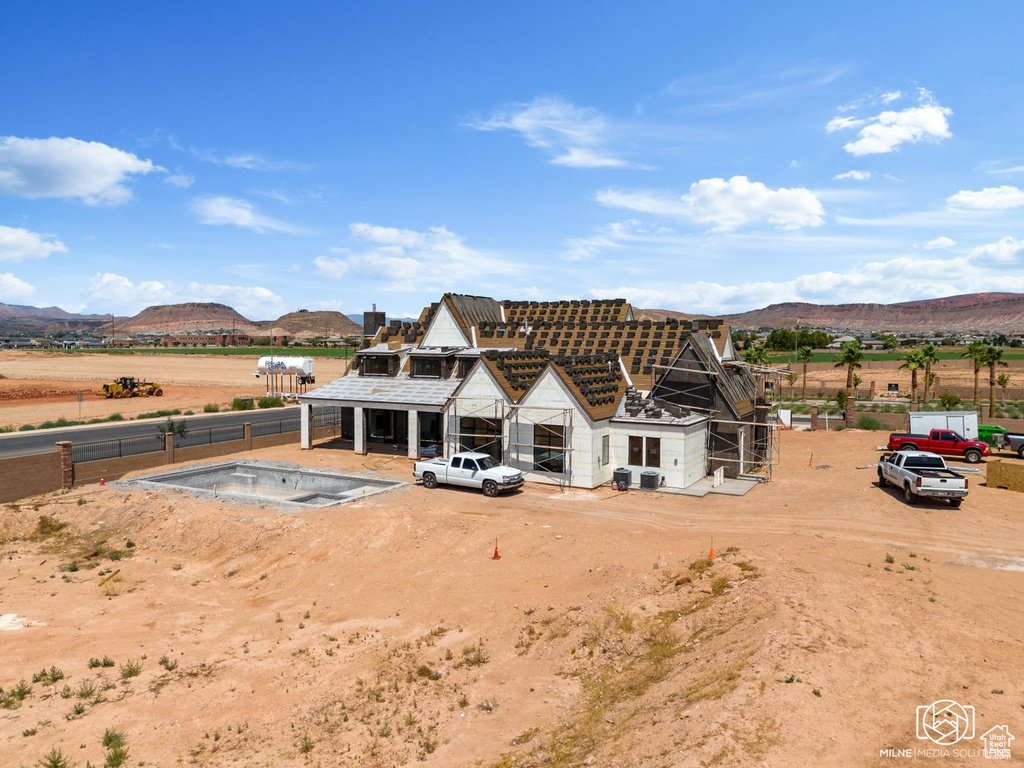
{"points": [[414, 434], [359, 430], [306, 426]]}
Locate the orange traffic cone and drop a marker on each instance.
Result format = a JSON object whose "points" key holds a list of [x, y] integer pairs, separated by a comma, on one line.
{"points": [[712, 555], [496, 556], [810, 461]]}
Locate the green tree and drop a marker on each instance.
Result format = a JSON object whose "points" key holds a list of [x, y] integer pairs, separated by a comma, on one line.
{"points": [[756, 355], [804, 355], [949, 400], [792, 377], [993, 356], [1003, 380], [850, 355], [890, 342], [975, 351], [914, 361], [929, 353]]}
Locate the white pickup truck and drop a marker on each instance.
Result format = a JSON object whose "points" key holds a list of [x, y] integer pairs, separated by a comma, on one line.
{"points": [[922, 474], [474, 470]]}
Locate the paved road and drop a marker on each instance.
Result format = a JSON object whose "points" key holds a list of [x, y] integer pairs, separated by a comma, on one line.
{"points": [[42, 440]]}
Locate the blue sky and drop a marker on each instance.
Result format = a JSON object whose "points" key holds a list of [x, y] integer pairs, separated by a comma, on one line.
{"points": [[703, 157]]}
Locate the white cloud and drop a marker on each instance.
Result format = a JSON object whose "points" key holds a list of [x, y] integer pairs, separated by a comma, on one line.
{"points": [[888, 130], [218, 211], [853, 176], [901, 278], [891, 96], [14, 290], [988, 199], [615, 236], [1005, 252], [181, 180], [574, 136], [940, 242], [409, 260], [119, 294], [19, 244], [68, 168], [726, 205]]}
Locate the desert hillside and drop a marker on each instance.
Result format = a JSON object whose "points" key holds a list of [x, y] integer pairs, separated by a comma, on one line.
{"points": [[185, 318]]}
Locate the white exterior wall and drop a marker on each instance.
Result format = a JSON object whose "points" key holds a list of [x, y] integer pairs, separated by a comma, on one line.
{"points": [[683, 452], [444, 331], [544, 403], [478, 396]]}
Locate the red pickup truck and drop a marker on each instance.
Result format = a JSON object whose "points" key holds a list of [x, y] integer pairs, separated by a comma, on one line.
{"points": [[945, 442]]}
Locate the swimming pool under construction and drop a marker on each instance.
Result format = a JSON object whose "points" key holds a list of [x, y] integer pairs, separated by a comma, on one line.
{"points": [[261, 482]]}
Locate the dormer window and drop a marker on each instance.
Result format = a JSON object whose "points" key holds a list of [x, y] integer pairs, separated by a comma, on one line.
{"points": [[426, 367], [465, 363], [376, 365]]}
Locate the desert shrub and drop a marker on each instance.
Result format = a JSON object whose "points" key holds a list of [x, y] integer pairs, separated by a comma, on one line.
{"points": [[242, 404], [949, 400], [270, 402], [211, 408], [870, 422]]}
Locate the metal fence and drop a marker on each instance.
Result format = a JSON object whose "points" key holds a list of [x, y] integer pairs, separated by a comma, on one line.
{"points": [[275, 427], [210, 435], [116, 449]]}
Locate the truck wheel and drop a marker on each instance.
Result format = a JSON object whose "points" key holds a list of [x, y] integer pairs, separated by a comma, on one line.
{"points": [[882, 482], [429, 480], [1020, 451], [490, 488], [972, 457], [158, 392], [908, 447], [908, 495], [955, 503]]}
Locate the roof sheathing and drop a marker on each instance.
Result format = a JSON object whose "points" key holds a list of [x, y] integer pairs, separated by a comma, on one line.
{"points": [[595, 381]]}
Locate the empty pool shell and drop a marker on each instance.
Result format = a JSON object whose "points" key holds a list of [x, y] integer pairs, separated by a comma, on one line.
{"points": [[263, 482]]}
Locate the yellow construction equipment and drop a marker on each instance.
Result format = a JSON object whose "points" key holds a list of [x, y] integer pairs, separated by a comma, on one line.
{"points": [[127, 386]]}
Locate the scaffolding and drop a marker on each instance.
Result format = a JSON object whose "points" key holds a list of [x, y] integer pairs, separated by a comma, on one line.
{"points": [[550, 437], [476, 439], [756, 454]]}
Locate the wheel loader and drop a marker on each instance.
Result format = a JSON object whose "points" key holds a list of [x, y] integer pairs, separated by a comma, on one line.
{"points": [[127, 386]]}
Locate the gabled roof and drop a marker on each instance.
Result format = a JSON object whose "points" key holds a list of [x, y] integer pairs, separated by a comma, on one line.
{"points": [[595, 381], [733, 379]]}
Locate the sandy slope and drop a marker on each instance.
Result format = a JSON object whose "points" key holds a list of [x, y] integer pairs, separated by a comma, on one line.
{"points": [[601, 637]]}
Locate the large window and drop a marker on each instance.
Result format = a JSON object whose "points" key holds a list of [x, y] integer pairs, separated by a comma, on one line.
{"points": [[644, 452], [605, 449], [375, 365], [483, 435], [426, 367], [549, 448]]}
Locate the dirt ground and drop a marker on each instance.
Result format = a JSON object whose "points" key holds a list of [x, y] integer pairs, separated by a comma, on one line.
{"points": [[382, 632], [41, 386]]}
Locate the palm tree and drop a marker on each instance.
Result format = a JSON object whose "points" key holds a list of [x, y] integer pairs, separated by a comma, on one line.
{"points": [[915, 361], [756, 355], [975, 351], [804, 355], [993, 357], [929, 353], [850, 355]]}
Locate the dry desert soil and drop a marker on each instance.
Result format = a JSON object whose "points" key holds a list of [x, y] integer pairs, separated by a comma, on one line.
{"points": [[382, 632]]}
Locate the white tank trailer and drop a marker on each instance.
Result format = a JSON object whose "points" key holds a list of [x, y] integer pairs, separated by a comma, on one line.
{"points": [[299, 370]]}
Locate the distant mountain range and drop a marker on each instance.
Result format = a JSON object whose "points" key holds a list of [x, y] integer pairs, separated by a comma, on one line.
{"points": [[984, 312]]}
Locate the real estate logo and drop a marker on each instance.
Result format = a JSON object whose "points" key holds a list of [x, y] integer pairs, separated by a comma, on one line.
{"points": [[945, 722]]}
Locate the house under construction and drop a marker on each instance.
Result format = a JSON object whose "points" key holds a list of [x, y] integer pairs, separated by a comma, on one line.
{"points": [[571, 392]]}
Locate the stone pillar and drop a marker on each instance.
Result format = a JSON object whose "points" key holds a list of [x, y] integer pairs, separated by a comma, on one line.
{"points": [[247, 436], [359, 430], [169, 447], [871, 392], [814, 418], [306, 426], [414, 434], [67, 469]]}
